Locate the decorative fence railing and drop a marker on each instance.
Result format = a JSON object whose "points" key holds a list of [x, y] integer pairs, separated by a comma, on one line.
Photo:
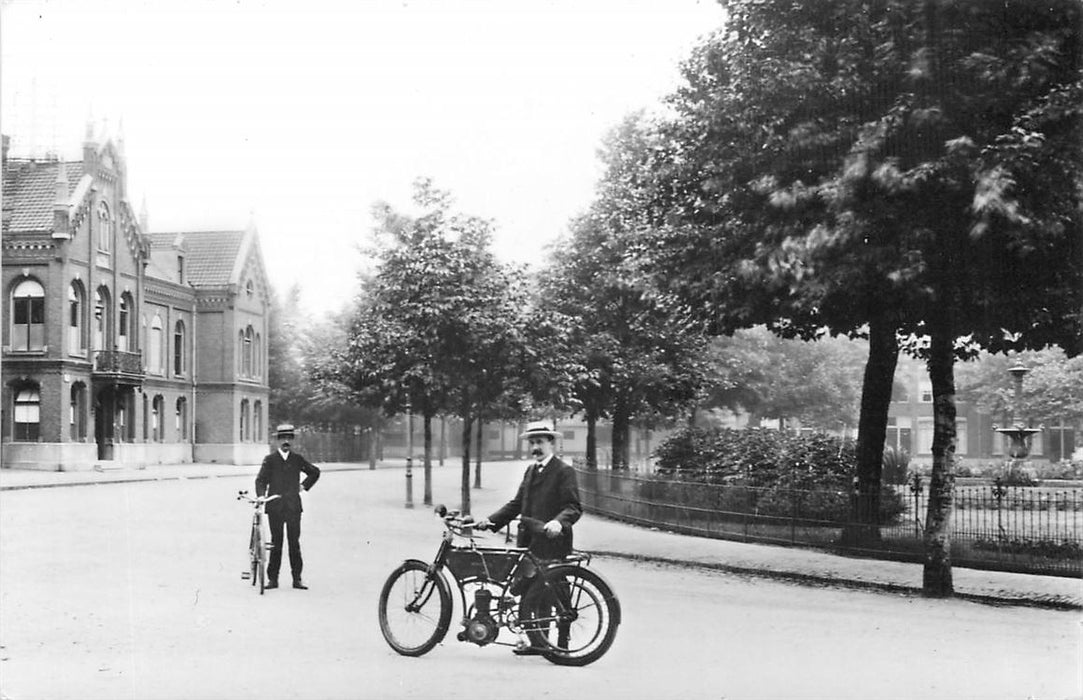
{"points": [[1024, 529]]}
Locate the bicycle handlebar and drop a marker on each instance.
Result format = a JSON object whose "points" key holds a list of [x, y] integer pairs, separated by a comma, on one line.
{"points": [[257, 500], [457, 522]]}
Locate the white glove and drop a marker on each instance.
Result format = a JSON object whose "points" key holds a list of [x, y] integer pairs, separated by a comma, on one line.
{"points": [[553, 528]]}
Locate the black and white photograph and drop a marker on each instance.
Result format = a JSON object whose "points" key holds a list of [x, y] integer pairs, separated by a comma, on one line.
{"points": [[667, 349]]}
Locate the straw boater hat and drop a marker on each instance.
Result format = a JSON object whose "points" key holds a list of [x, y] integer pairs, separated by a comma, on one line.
{"points": [[284, 431], [538, 428]]}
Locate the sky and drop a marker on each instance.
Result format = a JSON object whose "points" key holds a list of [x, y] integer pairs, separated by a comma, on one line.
{"points": [[299, 116]]}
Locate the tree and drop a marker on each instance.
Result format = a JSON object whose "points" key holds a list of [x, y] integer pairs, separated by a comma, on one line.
{"points": [[438, 328], [884, 168], [631, 355], [766, 376]]}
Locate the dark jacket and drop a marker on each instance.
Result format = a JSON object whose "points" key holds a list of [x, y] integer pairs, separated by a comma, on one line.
{"points": [[283, 477], [552, 495]]}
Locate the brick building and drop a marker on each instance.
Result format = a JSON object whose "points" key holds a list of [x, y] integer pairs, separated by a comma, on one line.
{"points": [[121, 346]]}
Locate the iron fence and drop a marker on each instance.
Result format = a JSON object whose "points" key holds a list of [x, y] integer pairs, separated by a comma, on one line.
{"points": [[1025, 529]]}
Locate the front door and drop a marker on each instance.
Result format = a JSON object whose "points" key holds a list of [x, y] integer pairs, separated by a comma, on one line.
{"points": [[104, 422]]}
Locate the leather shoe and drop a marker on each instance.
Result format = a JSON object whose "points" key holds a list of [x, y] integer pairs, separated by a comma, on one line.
{"points": [[297, 584], [271, 584]]}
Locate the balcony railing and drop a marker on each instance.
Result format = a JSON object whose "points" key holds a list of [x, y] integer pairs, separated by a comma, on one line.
{"points": [[119, 364]]}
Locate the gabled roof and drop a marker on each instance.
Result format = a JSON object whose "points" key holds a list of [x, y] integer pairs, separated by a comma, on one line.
{"points": [[30, 192], [212, 256]]}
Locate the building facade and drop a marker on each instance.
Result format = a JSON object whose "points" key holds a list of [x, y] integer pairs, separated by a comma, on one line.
{"points": [[122, 347], [910, 425]]}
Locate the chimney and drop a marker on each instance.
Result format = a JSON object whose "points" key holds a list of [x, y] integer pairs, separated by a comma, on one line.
{"points": [[61, 227]]}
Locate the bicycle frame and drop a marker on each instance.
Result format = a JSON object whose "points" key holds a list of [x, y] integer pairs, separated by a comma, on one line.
{"points": [[257, 543]]}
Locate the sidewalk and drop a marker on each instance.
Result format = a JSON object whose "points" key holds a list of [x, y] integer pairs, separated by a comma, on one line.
{"points": [[612, 538]]}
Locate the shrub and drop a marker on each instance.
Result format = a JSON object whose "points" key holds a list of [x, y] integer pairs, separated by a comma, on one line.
{"points": [[761, 471], [896, 465]]}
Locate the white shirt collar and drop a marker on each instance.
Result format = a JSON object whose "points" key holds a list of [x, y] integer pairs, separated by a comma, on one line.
{"points": [[284, 455], [545, 462]]}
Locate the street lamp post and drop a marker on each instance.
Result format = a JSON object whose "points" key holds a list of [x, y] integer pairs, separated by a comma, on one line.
{"points": [[409, 455]]}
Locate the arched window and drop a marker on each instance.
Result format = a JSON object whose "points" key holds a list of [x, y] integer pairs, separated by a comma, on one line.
{"points": [[258, 350], [27, 414], [76, 319], [77, 411], [257, 421], [247, 355], [248, 288], [124, 323], [240, 353], [156, 424], [244, 420], [182, 418], [178, 348], [28, 316], [154, 352], [105, 228], [101, 318]]}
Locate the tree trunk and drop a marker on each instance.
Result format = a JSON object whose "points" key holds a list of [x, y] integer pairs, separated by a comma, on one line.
{"points": [[621, 422], [477, 459], [871, 432], [427, 423], [937, 579], [592, 441], [465, 485]]}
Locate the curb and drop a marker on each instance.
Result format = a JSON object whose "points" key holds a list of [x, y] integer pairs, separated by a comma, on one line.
{"points": [[1043, 602]]}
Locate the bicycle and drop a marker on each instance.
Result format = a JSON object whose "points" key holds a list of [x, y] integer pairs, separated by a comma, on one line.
{"points": [[257, 544], [570, 616]]}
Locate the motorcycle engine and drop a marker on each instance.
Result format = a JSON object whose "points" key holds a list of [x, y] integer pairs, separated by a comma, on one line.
{"points": [[481, 628]]}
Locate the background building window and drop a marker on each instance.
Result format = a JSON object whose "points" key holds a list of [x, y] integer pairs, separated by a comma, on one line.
{"points": [[244, 420], [78, 411], [27, 414], [76, 322], [257, 421], [182, 418], [156, 426], [926, 389], [101, 318], [154, 353], [28, 316], [246, 369], [124, 323], [105, 228], [257, 348], [178, 348]]}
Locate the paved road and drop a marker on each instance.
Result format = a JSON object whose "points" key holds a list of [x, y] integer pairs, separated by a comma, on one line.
{"points": [[134, 591]]}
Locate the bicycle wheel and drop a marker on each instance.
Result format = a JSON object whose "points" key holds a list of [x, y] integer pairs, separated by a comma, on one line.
{"points": [[572, 615], [253, 555], [261, 568], [415, 608]]}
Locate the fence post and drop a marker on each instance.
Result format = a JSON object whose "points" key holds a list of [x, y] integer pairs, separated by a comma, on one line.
{"points": [[915, 488]]}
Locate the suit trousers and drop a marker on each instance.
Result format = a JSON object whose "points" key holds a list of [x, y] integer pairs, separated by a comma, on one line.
{"points": [[291, 522]]}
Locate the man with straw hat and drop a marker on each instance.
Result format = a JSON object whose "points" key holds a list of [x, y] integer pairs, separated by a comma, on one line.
{"points": [[548, 501]]}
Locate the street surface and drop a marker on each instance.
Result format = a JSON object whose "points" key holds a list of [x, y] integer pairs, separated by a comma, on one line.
{"points": [[133, 591]]}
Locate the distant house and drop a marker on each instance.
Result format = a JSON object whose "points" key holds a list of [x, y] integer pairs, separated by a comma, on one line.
{"points": [[910, 424], [121, 346]]}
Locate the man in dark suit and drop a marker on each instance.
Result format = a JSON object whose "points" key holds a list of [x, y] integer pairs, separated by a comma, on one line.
{"points": [[549, 494], [280, 475]]}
